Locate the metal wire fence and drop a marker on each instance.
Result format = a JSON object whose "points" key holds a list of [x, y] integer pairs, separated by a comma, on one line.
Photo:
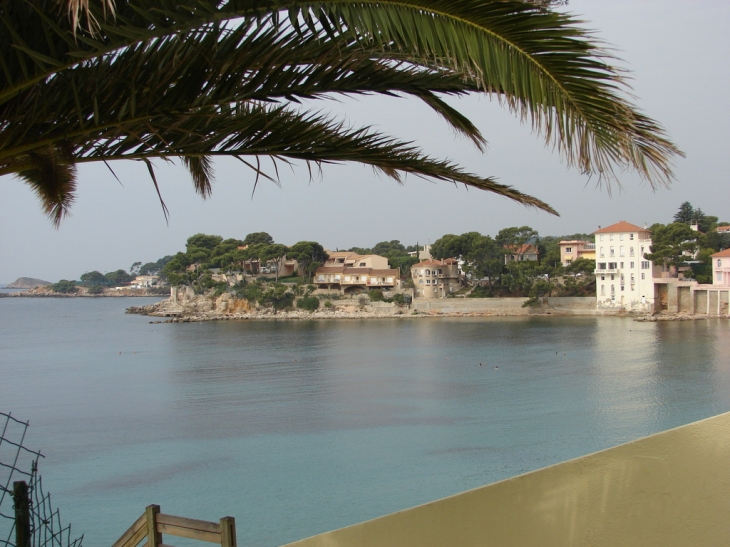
{"points": [[27, 517]]}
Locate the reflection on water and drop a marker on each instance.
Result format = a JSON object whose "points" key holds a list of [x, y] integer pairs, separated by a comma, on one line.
{"points": [[299, 427]]}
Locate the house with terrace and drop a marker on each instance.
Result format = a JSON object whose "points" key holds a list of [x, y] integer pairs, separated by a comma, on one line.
{"points": [[436, 278], [351, 273]]}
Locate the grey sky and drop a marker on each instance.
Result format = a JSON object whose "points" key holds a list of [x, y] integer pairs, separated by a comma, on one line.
{"points": [[676, 51]]}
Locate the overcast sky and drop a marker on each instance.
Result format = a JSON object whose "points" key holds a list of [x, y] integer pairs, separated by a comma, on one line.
{"points": [[676, 51]]}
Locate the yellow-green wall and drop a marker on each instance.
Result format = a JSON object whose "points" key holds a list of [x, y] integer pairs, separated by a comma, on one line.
{"points": [[669, 489]]}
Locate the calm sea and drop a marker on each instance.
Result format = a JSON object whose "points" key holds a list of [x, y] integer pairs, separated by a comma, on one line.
{"points": [[296, 428]]}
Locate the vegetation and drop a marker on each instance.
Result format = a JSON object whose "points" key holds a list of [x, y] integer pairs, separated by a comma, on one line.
{"points": [[99, 86], [65, 286], [309, 303]]}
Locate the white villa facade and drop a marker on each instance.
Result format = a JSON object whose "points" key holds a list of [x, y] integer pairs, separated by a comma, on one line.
{"points": [[624, 277]]}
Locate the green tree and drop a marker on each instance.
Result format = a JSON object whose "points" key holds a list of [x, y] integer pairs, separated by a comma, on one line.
{"points": [[310, 255], [65, 286], [685, 214], [93, 278], [485, 259], [384, 248], [673, 244], [118, 277], [274, 254], [100, 86], [258, 238], [277, 297]]}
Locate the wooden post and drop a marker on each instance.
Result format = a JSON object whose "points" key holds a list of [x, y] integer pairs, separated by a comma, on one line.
{"points": [[22, 514], [154, 538], [228, 532]]}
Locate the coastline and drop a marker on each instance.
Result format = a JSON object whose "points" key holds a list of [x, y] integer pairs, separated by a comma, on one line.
{"points": [[187, 308]]}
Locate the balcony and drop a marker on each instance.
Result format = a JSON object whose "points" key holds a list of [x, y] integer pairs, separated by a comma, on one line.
{"points": [[604, 271]]}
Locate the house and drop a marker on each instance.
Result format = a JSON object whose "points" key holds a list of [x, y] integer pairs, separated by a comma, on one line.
{"points": [[287, 267], [423, 253], [721, 268], [436, 278], [519, 253], [351, 273], [723, 229], [144, 281], [573, 249], [624, 277]]}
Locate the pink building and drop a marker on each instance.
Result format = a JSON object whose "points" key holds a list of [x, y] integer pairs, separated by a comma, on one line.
{"points": [[721, 268]]}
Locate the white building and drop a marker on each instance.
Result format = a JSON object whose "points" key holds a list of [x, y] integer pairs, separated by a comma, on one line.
{"points": [[624, 277]]}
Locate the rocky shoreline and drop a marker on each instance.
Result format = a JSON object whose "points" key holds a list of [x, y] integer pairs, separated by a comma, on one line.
{"points": [[185, 307], [46, 292]]}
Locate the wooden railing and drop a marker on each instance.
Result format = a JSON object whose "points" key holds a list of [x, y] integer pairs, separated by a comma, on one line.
{"points": [[153, 524]]}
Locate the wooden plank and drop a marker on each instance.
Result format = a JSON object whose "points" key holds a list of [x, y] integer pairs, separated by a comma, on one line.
{"points": [[137, 537], [183, 522], [191, 533], [154, 538], [228, 532], [126, 536]]}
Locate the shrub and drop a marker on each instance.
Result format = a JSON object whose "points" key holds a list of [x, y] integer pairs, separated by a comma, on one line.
{"points": [[376, 295], [327, 304], [362, 302], [95, 289], [309, 303], [399, 299]]}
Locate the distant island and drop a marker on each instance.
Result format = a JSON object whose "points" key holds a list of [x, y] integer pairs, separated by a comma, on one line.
{"points": [[27, 283]]}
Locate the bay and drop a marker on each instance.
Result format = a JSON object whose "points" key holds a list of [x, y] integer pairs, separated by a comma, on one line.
{"points": [[299, 427]]}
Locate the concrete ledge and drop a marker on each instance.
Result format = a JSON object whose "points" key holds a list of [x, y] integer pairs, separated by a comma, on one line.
{"points": [[671, 489]]}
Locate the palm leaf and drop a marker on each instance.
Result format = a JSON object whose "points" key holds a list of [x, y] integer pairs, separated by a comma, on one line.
{"points": [[169, 72]]}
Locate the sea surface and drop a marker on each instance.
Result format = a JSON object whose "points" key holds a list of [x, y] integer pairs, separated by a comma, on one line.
{"points": [[296, 428]]}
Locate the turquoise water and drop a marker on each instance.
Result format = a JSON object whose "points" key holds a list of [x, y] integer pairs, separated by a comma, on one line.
{"points": [[296, 428]]}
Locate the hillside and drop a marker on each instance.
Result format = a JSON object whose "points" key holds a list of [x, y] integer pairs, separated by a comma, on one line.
{"points": [[27, 283]]}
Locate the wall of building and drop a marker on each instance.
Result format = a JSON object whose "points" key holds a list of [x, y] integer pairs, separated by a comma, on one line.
{"points": [[666, 490]]}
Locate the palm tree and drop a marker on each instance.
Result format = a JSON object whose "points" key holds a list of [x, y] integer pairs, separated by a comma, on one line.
{"points": [[86, 80]]}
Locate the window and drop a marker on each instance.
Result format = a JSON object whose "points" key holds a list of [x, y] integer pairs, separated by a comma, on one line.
{"points": [[621, 250], [613, 277], [420, 281], [603, 290], [610, 237], [569, 261], [611, 265], [632, 265], [719, 263], [428, 281], [643, 275], [621, 237], [603, 278], [362, 264], [569, 249], [631, 251], [428, 272], [644, 264], [601, 237], [601, 265], [602, 252], [631, 237], [622, 265], [611, 251]]}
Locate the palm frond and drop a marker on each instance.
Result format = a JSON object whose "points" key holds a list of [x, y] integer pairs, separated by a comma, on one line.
{"points": [[51, 173], [157, 78]]}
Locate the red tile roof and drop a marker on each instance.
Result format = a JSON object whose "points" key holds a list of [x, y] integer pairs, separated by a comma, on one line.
{"points": [[722, 254], [621, 226]]}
